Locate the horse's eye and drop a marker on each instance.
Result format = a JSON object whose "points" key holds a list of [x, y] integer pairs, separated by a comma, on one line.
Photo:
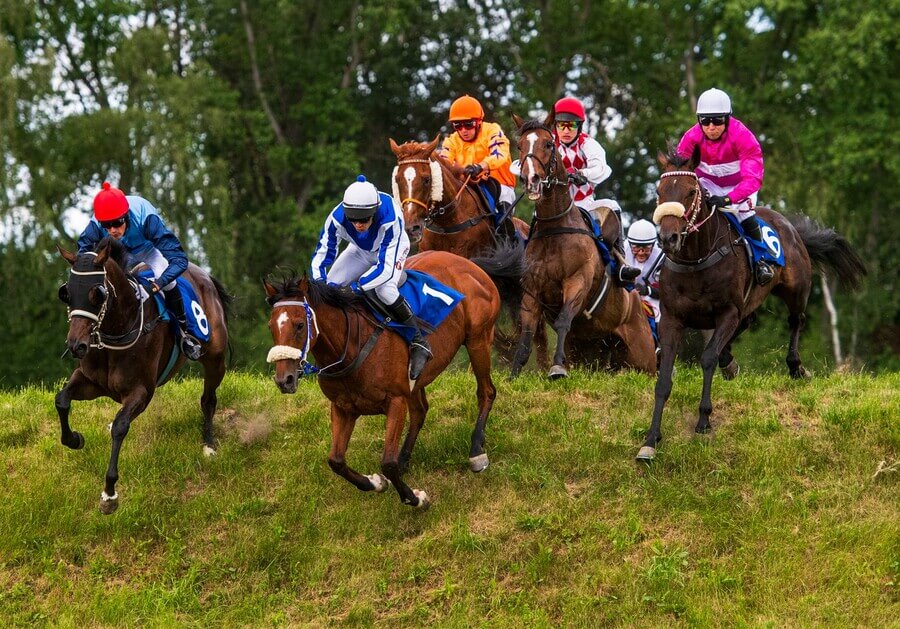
{"points": [[549, 144], [692, 192], [63, 293]]}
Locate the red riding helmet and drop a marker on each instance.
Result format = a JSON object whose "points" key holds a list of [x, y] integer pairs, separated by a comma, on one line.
{"points": [[110, 203], [569, 108]]}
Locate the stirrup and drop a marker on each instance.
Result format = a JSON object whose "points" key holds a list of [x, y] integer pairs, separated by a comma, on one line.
{"points": [[763, 273], [628, 273], [190, 346]]}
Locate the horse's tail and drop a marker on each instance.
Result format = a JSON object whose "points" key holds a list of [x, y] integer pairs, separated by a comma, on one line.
{"points": [[505, 264], [829, 251]]}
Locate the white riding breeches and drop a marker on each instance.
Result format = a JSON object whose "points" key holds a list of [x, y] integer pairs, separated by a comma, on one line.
{"points": [[157, 263], [744, 209], [507, 194], [353, 263]]}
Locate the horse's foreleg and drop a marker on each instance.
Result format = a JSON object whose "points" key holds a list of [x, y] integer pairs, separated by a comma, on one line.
{"points": [[418, 408], [390, 463], [529, 319], [670, 333], [540, 347], [726, 326], [132, 406], [213, 373], [573, 297], [480, 357], [342, 425], [77, 388]]}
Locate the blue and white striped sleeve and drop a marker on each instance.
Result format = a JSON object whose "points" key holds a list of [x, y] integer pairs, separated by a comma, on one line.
{"points": [[326, 250]]}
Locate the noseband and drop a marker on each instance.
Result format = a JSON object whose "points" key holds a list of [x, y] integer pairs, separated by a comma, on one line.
{"points": [[432, 210], [549, 167], [693, 213]]}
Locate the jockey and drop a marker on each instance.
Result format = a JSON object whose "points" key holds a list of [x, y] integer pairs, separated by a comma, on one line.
{"points": [[483, 150], [134, 222], [372, 224], [731, 164], [645, 253], [585, 163]]}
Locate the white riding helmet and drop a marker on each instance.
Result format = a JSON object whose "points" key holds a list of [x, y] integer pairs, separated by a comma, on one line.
{"points": [[642, 233], [361, 199], [713, 102]]}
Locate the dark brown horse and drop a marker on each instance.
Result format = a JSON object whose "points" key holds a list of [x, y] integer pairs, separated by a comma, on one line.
{"points": [[443, 214], [124, 349], [567, 278], [363, 373], [707, 281]]}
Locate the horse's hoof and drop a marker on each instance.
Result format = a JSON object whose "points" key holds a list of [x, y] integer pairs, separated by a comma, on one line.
{"points": [[108, 504], [557, 372], [703, 430], [646, 454], [802, 373], [479, 463], [424, 502], [77, 441], [209, 451], [379, 482], [731, 370]]}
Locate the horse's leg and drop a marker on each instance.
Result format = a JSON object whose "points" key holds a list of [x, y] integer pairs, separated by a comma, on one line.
{"points": [[726, 326], [390, 460], [540, 347], [670, 333], [213, 372], [77, 388], [132, 405], [573, 295], [530, 316], [480, 357], [795, 366], [727, 363], [342, 425], [418, 408]]}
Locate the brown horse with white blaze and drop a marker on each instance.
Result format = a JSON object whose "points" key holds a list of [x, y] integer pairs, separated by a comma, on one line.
{"points": [[365, 372], [124, 349], [707, 281]]}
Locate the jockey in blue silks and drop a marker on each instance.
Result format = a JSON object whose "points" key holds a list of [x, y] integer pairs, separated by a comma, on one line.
{"points": [[134, 222], [372, 224]]}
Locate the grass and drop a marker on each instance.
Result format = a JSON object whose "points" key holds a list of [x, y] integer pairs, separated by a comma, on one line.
{"points": [[774, 520]]}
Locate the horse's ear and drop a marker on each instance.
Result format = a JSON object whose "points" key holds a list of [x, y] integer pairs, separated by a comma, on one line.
{"points": [[303, 284], [518, 121], [102, 255], [548, 121], [663, 160], [68, 255], [394, 147], [432, 146], [270, 290]]}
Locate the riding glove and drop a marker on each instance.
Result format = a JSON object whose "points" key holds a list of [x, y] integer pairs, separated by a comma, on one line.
{"points": [[577, 178], [719, 201], [473, 170]]}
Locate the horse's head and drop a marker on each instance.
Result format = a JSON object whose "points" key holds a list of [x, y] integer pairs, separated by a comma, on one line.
{"points": [[539, 165], [294, 329], [88, 291], [679, 199], [418, 183]]}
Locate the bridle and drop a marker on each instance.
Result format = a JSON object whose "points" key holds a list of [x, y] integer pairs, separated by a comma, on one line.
{"points": [[99, 339], [692, 213], [549, 167], [433, 211]]}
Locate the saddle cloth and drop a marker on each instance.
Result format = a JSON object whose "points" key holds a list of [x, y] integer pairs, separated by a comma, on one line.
{"points": [[769, 249], [197, 323], [430, 300]]}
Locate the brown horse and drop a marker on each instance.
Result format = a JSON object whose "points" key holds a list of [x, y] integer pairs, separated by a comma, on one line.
{"points": [[366, 374], [443, 214], [567, 278], [707, 281], [124, 350]]}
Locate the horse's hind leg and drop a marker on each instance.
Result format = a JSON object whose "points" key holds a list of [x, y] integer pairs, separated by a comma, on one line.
{"points": [[480, 357], [342, 425], [132, 406], [725, 328], [795, 300], [727, 363], [390, 458], [213, 372], [418, 408], [77, 388]]}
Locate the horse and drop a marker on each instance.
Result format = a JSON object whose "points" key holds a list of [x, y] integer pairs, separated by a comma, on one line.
{"points": [[567, 276], [444, 214], [707, 281], [125, 353], [366, 374]]}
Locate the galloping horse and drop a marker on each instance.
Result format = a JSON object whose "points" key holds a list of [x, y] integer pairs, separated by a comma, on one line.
{"points": [[566, 275], [126, 352], [442, 214], [707, 281], [365, 374]]}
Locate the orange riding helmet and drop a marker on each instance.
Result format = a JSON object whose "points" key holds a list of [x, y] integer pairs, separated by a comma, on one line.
{"points": [[466, 108]]}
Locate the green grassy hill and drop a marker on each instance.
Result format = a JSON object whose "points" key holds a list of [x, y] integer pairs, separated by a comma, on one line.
{"points": [[778, 518]]}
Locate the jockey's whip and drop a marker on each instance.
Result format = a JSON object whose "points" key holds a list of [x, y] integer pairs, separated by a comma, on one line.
{"points": [[509, 212], [461, 188]]}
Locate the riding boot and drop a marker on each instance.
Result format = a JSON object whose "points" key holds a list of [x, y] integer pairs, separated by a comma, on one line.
{"points": [[505, 229], [763, 271], [419, 349], [189, 345]]}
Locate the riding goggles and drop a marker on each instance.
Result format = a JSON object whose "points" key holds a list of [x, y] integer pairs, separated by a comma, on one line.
{"points": [[113, 223], [566, 125], [465, 124], [705, 121]]}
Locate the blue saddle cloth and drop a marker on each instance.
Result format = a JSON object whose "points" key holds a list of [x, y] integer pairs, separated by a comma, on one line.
{"points": [[430, 300], [769, 249], [605, 255], [489, 197], [197, 323]]}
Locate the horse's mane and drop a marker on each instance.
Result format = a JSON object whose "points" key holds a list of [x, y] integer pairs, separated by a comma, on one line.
{"points": [[319, 292], [679, 161], [533, 125]]}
